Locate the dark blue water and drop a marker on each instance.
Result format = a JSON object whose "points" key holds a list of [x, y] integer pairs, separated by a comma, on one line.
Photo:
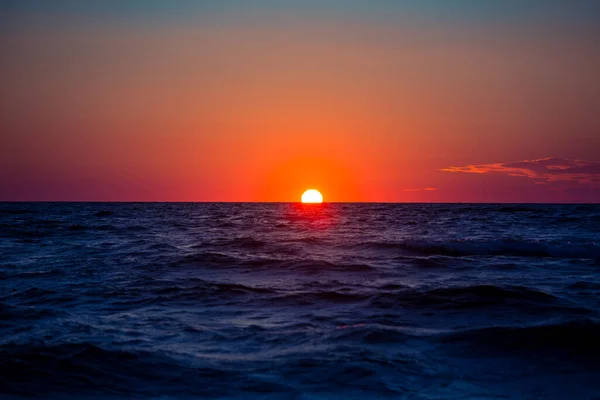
{"points": [[299, 302]]}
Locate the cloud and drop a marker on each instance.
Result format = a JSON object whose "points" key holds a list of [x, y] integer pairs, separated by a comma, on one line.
{"points": [[541, 171], [429, 189]]}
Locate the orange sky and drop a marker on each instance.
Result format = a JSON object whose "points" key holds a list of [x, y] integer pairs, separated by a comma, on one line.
{"points": [[247, 107]]}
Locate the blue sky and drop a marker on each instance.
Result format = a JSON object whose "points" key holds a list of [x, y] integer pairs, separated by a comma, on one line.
{"points": [[577, 10]]}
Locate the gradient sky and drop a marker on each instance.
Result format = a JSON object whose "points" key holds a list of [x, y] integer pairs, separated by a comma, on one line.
{"points": [[223, 100]]}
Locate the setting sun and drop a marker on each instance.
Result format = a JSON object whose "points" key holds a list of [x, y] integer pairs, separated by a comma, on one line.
{"points": [[312, 196]]}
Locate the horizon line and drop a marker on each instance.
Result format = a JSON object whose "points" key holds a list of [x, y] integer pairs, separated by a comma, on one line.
{"points": [[293, 202]]}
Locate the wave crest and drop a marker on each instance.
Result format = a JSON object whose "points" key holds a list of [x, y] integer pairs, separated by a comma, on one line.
{"points": [[496, 247]]}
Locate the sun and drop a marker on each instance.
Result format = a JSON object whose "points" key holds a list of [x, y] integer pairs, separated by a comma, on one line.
{"points": [[312, 196]]}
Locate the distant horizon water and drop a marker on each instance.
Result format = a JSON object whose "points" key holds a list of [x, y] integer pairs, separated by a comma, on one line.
{"points": [[297, 202]]}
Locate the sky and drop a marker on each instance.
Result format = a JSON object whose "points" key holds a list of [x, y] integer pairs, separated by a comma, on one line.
{"points": [[225, 100]]}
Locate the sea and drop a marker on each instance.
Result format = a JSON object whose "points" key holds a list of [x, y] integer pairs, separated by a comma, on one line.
{"points": [[299, 301]]}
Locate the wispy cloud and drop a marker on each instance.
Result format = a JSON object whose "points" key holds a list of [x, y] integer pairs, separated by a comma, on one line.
{"points": [[429, 189], [542, 171]]}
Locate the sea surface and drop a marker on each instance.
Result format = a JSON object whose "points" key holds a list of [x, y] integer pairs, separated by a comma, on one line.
{"points": [[292, 301]]}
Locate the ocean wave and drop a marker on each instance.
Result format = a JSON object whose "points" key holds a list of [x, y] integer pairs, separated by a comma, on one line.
{"points": [[77, 227], [36, 296], [29, 293], [496, 247], [213, 259], [35, 274], [516, 209], [83, 368], [306, 240], [324, 297], [581, 285], [11, 315], [226, 224], [575, 336], [207, 259], [369, 334], [17, 211], [16, 232], [424, 262], [243, 242], [313, 266], [35, 369], [465, 297], [164, 292], [207, 290], [492, 292], [104, 213]]}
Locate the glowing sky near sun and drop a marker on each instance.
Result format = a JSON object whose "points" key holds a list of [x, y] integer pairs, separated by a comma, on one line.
{"points": [[212, 100]]}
